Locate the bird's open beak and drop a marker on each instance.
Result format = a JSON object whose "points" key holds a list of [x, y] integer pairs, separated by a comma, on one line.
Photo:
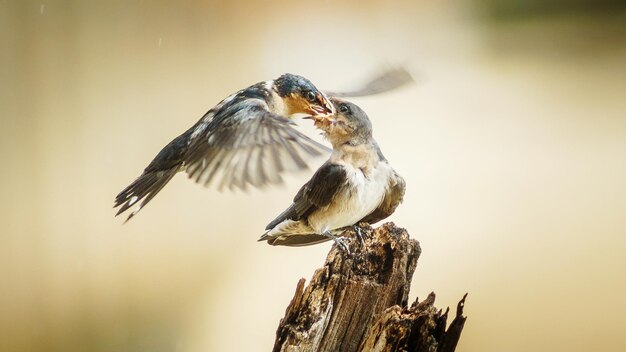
{"points": [[324, 106], [323, 122]]}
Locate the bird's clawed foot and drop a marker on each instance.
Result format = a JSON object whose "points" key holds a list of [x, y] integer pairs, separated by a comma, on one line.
{"points": [[359, 234], [339, 241]]}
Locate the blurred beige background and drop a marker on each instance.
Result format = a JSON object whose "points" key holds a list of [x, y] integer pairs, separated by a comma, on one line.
{"points": [[513, 146]]}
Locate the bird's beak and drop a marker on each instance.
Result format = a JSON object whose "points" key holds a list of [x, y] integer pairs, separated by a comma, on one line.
{"points": [[324, 107], [323, 122]]}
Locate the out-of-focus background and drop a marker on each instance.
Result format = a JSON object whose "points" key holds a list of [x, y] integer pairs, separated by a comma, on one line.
{"points": [[512, 144]]}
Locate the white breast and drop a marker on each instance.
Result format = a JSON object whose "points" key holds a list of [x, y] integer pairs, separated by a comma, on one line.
{"points": [[360, 198]]}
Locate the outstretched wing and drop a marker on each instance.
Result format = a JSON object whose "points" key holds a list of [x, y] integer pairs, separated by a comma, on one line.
{"points": [[388, 79], [245, 144]]}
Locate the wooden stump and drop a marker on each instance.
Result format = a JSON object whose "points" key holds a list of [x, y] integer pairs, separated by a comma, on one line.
{"points": [[358, 301]]}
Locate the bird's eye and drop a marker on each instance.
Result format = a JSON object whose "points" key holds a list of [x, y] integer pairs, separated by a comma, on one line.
{"points": [[344, 109], [310, 96]]}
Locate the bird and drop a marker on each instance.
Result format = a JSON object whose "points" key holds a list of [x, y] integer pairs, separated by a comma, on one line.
{"points": [[356, 184], [248, 138]]}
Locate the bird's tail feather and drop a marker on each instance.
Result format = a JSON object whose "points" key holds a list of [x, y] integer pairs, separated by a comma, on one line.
{"points": [[294, 240], [143, 189]]}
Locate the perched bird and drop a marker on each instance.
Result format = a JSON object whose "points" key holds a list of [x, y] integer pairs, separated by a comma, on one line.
{"points": [[356, 184], [247, 138]]}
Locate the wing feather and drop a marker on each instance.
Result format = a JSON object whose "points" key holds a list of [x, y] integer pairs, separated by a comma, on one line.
{"points": [[393, 198], [237, 145], [388, 79], [319, 192]]}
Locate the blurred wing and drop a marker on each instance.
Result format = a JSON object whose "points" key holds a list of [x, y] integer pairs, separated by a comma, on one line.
{"points": [[246, 144], [389, 79]]}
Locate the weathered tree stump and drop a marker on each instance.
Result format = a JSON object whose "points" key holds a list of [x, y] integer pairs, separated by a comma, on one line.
{"points": [[358, 301]]}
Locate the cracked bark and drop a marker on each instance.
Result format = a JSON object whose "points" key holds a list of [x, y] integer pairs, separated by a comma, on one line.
{"points": [[358, 302]]}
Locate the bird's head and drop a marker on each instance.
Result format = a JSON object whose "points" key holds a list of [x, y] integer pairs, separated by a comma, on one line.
{"points": [[348, 125], [301, 96]]}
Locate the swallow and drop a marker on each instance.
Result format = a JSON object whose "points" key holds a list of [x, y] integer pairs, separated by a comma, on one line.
{"points": [[356, 184], [248, 138]]}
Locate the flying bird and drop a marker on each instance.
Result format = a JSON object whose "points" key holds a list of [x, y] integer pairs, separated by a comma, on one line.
{"points": [[248, 138], [356, 184]]}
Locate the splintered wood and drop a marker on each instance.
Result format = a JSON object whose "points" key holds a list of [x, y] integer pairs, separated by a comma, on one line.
{"points": [[358, 301]]}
